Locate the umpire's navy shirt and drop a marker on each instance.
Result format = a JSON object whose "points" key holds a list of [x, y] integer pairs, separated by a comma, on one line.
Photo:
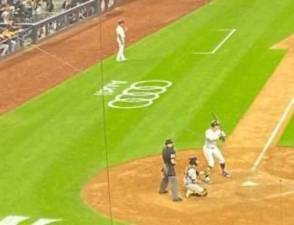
{"points": [[166, 157]]}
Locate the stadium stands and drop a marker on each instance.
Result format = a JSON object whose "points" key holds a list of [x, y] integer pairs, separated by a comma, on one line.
{"points": [[23, 22]]}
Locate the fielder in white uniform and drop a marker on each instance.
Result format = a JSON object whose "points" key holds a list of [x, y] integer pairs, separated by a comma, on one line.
{"points": [[120, 38], [211, 150]]}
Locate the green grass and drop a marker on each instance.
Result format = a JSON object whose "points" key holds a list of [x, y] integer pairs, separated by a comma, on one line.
{"points": [[287, 138], [52, 145]]}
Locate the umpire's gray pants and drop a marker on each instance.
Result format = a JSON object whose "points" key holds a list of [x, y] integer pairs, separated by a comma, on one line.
{"points": [[173, 182]]}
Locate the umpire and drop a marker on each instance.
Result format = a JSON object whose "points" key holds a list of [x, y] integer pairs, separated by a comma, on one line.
{"points": [[168, 171]]}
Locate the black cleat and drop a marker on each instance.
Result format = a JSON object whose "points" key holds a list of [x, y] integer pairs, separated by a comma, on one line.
{"points": [[178, 199], [226, 174]]}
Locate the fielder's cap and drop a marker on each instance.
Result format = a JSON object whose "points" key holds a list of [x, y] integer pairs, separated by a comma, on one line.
{"points": [[214, 123], [168, 141]]}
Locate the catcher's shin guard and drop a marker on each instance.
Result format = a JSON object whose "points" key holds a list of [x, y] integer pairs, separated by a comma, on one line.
{"points": [[188, 193], [204, 192]]}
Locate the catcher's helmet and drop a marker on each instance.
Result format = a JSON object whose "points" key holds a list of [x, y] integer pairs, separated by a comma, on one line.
{"points": [[193, 160]]}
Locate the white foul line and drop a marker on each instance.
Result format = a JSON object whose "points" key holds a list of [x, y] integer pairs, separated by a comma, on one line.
{"points": [[273, 135], [279, 195], [232, 31]]}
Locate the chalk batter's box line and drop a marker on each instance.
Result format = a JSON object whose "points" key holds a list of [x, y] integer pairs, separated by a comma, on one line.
{"points": [[220, 44]]}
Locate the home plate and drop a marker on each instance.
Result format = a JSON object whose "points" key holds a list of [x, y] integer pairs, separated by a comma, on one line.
{"points": [[249, 183]]}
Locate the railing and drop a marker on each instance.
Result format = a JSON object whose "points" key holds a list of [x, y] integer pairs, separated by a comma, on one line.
{"points": [[35, 32]]}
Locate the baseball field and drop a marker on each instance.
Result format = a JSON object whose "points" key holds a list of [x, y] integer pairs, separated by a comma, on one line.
{"points": [[288, 137], [87, 151]]}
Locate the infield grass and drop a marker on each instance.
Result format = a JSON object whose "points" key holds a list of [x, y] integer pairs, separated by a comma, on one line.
{"points": [[52, 145], [287, 138]]}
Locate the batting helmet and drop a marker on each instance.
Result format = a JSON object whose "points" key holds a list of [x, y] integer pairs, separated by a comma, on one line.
{"points": [[214, 123]]}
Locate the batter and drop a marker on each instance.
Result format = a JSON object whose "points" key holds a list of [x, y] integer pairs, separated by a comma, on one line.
{"points": [[211, 150]]}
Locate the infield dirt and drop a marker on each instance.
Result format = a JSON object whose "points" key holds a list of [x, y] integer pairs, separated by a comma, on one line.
{"points": [[134, 196]]}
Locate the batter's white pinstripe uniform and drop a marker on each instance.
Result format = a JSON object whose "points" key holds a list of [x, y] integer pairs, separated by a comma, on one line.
{"points": [[210, 148]]}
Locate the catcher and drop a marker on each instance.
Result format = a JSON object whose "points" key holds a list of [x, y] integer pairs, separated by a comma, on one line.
{"points": [[192, 180]]}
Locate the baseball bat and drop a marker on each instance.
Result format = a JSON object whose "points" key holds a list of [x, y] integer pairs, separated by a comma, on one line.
{"points": [[215, 117]]}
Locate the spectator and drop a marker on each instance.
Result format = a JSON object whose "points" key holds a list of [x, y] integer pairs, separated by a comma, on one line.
{"points": [[26, 9], [49, 6], [11, 33], [13, 27], [41, 32], [6, 14], [67, 4], [37, 7], [4, 47], [4, 43]]}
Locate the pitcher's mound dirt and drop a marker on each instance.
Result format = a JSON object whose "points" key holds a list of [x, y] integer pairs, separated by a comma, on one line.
{"points": [[134, 197]]}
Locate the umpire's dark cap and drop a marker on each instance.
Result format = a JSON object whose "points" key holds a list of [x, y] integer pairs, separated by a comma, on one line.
{"points": [[168, 141]]}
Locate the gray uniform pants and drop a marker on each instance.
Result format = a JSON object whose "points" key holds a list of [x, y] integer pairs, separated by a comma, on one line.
{"points": [[195, 188], [169, 180]]}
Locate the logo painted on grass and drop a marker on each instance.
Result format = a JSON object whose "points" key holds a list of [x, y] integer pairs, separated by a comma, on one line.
{"points": [[109, 88], [17, 220], [140, 94]]}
